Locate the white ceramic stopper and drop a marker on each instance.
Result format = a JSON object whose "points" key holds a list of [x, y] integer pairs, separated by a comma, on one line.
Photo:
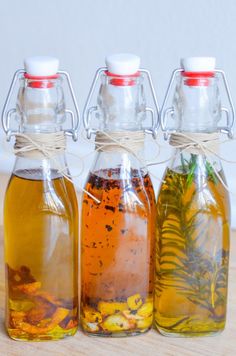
{"points": [[198, 64], [123, 63], [41, 66]]}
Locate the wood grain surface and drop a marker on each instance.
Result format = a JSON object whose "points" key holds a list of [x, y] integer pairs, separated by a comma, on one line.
{"points": [[149, 344]]}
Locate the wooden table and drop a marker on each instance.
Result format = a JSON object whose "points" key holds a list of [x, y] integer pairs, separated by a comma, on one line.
{"points": [[149, 344]]}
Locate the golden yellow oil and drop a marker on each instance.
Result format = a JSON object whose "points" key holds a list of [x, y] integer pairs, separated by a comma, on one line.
{"points": [[192, 253], [41, 242]]}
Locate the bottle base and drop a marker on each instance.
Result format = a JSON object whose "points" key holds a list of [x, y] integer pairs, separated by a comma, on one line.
{"points": [[54, 335], [184, 326], [189, 327], [118, 334], [187, 334]]}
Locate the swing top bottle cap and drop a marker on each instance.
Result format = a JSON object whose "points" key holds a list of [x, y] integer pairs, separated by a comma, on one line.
{"points": [[122, 64], [198, 71], [41, 66], [198, 64]]}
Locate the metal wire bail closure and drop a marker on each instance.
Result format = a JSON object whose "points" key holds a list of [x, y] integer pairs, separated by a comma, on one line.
{"points": [[88, 110], [230, 115], [7, 113]]}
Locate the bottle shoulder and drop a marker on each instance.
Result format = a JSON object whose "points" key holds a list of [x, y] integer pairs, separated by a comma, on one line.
{"points": [[41, 192], [195, 189], [130, 189]]}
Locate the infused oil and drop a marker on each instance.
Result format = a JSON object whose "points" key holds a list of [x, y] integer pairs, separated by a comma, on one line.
{"points": [[117, 253], [40, 227], [193, 249]]}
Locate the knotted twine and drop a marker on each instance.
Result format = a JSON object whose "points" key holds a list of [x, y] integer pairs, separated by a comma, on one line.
{"points": [[124, 141], [199, 144], [45, 145], [195, 142], [40, 145], [49, 145], [120, 141]]}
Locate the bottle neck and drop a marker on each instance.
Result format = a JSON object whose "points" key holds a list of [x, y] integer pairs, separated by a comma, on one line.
{"points": [[196, 103], [44, 168], [40, 104], [197, 109], [121, 102], [123, 164], [41, 109]]}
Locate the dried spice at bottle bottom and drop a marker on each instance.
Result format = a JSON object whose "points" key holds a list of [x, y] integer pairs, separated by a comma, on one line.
{"points": [[35, 313], [117, 248]]}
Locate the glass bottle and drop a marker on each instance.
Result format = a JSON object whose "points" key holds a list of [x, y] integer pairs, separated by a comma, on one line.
{"points": [[193, 212], [118, 231], [40, 213]]}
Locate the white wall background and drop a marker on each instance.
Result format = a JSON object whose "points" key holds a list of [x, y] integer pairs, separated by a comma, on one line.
{"points": [[81, 32]]}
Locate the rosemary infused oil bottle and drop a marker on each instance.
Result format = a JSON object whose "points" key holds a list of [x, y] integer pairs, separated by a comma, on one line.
{"points": [[118, 228], [193, 213], [40, 209]]}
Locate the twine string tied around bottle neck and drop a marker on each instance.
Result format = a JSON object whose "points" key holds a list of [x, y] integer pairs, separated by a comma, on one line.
{"points": [[197, 143], [120, 141], [125, 141], [49, 145], [40, 145], [45, 145]]}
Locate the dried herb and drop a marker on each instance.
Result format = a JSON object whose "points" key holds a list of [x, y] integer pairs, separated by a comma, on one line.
{"points": [[108, 227]]}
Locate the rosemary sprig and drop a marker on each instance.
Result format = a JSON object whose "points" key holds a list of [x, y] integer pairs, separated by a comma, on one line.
{"points": [[184, 167], [211, 173], [192, 165], [183, 261]]}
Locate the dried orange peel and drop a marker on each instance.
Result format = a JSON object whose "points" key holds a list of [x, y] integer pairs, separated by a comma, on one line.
{"points": [[135, 313], [134, 302], [57, 317], [29, 288], [109, 308]]}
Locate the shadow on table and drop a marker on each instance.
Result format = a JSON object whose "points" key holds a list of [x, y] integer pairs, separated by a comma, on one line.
{"points": [[2, 326]]}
